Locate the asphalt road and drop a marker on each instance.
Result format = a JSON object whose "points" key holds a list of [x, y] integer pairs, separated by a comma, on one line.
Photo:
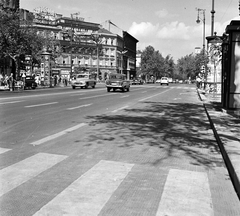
{"points": [[149, 151]]}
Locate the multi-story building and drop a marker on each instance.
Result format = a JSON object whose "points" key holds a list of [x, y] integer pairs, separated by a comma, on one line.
{"points": [[84, 45], [88, 46]]}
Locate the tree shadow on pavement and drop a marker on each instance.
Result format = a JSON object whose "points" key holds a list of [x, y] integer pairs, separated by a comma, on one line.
{"points": [[169, 128]]}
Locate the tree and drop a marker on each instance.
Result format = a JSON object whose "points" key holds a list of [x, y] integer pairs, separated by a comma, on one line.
{"points": [[154, 64], [18, 37]]}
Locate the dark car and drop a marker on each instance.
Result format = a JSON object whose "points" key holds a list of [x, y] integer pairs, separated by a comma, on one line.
{"points": [[30, 82], [137, 82]]}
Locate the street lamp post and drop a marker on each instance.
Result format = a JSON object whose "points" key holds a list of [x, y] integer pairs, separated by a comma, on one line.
{"points": [[121, 59], [97, 40], [202, 11], [203, 20]]}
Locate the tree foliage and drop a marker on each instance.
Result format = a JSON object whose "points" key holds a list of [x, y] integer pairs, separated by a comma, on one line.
{"points": [[154, 64], [18, 37]]}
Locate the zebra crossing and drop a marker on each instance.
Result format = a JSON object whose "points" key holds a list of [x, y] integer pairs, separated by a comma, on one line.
{"points": [[184, 192]]}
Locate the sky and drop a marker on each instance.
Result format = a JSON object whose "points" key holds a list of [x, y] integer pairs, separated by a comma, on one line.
{"points": [[167, 25]]}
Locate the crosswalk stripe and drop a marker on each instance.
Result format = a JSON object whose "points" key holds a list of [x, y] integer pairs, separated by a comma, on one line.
{"points": [[3, 150], [186, 193], [16, 174], [89, 193]]}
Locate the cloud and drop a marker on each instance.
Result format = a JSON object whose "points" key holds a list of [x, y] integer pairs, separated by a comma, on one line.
{"points": [[161, 13], [143, 29], [148, 30], [174, 30]]}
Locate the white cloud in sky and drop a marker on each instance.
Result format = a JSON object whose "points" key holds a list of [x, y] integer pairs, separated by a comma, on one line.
{"points": [[174, 30], [168, 36], [143, 29]]}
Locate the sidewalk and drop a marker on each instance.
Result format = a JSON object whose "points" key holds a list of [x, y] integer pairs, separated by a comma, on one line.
{"points": [[226, 127]]}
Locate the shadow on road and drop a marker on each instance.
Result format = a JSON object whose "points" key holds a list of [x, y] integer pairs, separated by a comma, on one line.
{"points": [[171, 129]]}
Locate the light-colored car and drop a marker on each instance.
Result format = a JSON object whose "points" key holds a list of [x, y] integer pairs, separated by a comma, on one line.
{"points": [[83, 81], [117, 81], [158, 81], [164, 80]]}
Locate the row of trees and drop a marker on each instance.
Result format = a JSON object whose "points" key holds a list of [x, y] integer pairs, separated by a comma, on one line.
{"points": [[153, 64]]}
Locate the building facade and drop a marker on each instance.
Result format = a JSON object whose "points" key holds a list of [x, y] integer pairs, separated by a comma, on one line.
{"points": [[86, 46]]}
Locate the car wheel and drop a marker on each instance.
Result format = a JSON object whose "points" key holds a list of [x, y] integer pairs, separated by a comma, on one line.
{"points": [[123, 89], [93, 86], [73, 87], [86, 86], [128, 89], [114, 89]]}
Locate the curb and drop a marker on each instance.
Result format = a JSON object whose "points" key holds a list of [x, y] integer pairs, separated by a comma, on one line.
{"points": [[231, 170]]}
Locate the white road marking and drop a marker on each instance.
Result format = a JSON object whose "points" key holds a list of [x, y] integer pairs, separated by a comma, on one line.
{"points": [[177, 98], [121, 108], [125, 96], [89, 193], [10, 102], [3, 150], [77, 94], [153, 95], [54, 136], [37, 105], [96, 96], [186, 193], [16, 174], [73, 108]]}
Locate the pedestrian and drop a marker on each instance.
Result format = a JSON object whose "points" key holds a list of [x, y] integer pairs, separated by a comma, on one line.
{"points": [[11, 82], [65, 80], [55, 80]]}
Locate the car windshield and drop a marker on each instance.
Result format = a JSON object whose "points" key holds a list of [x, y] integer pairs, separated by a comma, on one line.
{"points": [[164, 78], [82, 76], [117, 76]]}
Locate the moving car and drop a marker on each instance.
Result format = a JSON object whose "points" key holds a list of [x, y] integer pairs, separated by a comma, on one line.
{"points": [[30, 82], [164, 80], [137, 82], [117, 81], [83, 80]]}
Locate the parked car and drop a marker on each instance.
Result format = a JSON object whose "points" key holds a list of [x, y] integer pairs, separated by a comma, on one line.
{"points": [[117, 81], [164, 80], [158, 81], [30, 82], [83, 81]]}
